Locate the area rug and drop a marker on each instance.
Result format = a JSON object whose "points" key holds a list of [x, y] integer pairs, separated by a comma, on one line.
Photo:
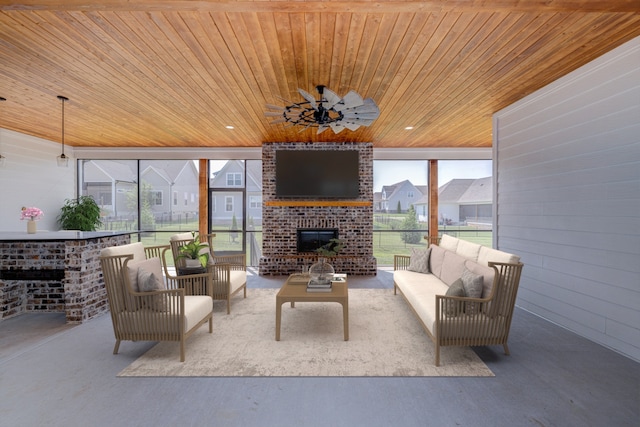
{"points": [[385, 339]]}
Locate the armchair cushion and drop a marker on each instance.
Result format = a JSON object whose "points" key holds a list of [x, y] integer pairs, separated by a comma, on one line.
{"points": [[237, 278], [136, 249]]}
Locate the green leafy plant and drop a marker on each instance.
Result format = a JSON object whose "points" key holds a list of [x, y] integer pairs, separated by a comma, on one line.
{"points": [[332, 248], [81, 214], [195, 250]]}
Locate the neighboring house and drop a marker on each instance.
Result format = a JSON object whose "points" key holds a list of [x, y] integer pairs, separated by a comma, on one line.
{"points": [[475, 204], [172, 186], [228, 187], [403, 194], [173, 189], [109, 182], [465, 200]]}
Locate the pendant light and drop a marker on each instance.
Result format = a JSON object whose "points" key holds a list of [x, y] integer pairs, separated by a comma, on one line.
{"points": [[1, 156], [63, 161]]}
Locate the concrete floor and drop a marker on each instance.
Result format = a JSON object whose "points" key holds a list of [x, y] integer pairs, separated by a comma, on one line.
{"points": [[53, 374]]}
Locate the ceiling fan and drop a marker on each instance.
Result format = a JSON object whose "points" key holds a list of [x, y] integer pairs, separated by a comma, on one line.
{"points": [[330, 111]]}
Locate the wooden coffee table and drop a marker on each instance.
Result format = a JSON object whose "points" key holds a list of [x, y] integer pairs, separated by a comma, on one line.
{"points": [[295, 290]]}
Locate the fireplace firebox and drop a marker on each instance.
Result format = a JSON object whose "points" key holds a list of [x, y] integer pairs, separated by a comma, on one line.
{"points": [[310, 239]]}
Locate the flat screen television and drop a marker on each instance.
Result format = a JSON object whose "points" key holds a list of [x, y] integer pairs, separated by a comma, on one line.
{"points": [[330, 174]]}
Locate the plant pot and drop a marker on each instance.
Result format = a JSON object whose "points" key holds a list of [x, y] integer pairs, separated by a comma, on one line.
{"points": [[31, 227], [192, 263]]}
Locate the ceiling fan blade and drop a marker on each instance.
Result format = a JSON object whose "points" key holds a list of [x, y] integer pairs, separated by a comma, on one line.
{"points": [[336, 127], [273, 113], [331, 97], [310, 99], [322, 128], [356, 115], [275, 107], [351, 125], [350, 100], [276, 121]]}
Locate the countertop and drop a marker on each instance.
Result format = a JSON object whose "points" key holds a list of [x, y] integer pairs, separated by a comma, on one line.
{"points": [[12, 236]]}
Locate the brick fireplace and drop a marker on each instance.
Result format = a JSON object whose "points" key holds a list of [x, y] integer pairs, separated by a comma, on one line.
{"points": [[282, 218]]}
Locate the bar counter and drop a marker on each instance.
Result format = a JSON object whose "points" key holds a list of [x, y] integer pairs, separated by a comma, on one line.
{"points": [[55, 272]]}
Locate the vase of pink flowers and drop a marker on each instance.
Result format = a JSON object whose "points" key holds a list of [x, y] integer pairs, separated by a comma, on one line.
{"points": [[31, 214]]}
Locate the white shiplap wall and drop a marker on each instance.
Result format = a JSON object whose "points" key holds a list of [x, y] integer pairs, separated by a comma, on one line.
{"points": [[568, 198], [30, 177]]}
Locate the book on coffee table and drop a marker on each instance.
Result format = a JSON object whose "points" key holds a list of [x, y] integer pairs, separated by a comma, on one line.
{"points": [[318, 288]]}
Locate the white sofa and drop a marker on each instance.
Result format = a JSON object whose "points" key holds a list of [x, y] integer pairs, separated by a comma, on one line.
{"points": [[482, 284]]}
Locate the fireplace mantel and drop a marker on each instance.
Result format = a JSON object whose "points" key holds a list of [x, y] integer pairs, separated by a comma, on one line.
{"points": [[317, 203]]}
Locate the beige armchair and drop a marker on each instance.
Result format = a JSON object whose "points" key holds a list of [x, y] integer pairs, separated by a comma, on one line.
{"points": [[145, 306], [229, 272]]}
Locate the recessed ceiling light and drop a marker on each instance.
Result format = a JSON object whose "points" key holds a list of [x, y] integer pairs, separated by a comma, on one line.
{"points": [[229, 127], [408, 128]]}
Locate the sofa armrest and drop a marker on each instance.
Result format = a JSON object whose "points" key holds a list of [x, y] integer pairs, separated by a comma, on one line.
{"points": [[401, 262]]}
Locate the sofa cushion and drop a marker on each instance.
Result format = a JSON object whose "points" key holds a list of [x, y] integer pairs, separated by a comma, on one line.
{"points": [[419, 260], [436, 258], [449, 243], [420, 291], [487, 255], [468, 250], [452, 267], [453, 308]]}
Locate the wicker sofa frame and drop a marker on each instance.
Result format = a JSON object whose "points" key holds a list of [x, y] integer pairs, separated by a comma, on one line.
{"points": [[488, 323]]}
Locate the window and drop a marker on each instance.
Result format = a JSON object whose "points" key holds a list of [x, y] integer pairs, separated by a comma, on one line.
{"points": [[228, 204], [175, 198], [234, 179], [255, 202], [156, 197], [186, 199]]}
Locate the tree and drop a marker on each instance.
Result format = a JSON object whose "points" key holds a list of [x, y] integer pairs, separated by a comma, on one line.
{"points": [[399, 207], [409, 224]]}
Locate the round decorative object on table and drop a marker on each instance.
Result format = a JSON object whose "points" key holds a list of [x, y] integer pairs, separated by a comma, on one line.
{"points": [[31, 226], [321, 271]]}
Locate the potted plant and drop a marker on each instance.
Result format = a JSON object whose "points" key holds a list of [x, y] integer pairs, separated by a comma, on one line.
{"points": [[195, 253], [332, 248], [81, 214]]}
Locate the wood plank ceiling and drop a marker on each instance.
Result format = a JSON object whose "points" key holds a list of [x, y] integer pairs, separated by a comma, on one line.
{"points": [[176, 73]]}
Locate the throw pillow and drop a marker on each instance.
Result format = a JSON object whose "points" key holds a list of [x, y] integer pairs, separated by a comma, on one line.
{"points": [[472, 288], [453, 308], [419, 260], [149, 282]]}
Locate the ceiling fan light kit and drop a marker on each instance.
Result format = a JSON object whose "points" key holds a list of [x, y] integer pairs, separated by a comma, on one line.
{"points": [[329, 112]]}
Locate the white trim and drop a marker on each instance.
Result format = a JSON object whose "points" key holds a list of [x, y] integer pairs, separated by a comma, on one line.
{"points": [[255, 153]]}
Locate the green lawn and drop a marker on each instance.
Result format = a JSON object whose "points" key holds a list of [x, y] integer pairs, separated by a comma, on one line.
{"points": [[387, 237]]}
